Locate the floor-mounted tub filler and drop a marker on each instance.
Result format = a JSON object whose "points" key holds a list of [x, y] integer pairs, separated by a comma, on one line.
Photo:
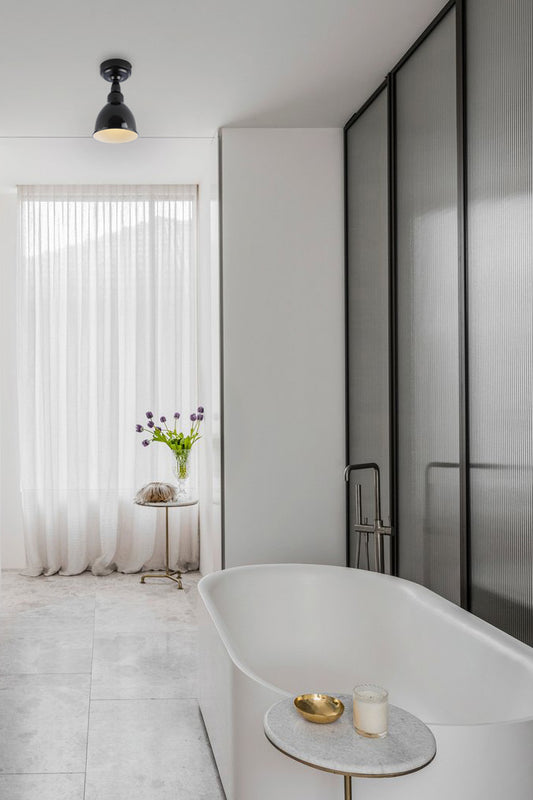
{"points": [[276, 630]]}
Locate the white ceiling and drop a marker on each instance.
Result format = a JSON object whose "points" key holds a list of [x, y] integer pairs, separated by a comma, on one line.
{"points": [[201, 64]]}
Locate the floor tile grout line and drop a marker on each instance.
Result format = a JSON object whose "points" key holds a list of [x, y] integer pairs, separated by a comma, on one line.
{"points": [[190, 699], [2, 774], [40, 674], [89, 701]]}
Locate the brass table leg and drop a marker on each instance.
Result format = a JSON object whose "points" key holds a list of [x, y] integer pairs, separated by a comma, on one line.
{"points": [[347, 787], [173, 575]]}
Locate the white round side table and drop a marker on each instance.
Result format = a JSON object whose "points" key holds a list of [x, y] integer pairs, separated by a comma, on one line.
{"points": [[173, 575], [408, 746]]}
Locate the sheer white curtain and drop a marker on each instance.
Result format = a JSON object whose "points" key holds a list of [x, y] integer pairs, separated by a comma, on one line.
{"points": [[107, 318]]}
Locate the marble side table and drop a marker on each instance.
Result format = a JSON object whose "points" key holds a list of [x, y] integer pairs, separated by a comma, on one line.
{"points": [[173, 575], [336, 747]]}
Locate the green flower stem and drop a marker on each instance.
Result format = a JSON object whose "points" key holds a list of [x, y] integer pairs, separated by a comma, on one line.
{"points": [[182, 461]]}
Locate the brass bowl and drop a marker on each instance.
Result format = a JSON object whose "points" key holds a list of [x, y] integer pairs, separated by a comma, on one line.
{"points": [[320, 708]]}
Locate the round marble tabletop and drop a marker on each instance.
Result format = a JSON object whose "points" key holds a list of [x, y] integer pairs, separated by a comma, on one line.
{"points": [[336, 747], [187, 501]]}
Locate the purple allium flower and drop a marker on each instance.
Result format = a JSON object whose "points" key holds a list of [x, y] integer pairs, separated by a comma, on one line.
{"points": [[150, 423], [193, 417], [162, 419], [201, 409], [139, 428], [149, 414], [176, 415], [157, 428], [200, 417], [145, 442]]}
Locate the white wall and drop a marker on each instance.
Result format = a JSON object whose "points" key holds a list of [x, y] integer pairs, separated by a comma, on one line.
{"points": [[283, 345], [209, 374], [75, 161]]}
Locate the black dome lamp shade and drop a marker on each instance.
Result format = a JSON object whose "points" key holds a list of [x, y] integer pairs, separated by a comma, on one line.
{"points": [[115, 123]]}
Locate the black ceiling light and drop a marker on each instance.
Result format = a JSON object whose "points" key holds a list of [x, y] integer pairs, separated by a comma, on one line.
{"points": [[115, 122]]}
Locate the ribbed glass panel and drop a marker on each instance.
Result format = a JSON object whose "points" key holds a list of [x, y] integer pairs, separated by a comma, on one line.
{"points": [[427, 298], [368, 305], [500, 258]]}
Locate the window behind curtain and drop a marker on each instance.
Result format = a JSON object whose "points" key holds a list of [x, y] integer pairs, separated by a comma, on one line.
{"points": [[106, 331]]}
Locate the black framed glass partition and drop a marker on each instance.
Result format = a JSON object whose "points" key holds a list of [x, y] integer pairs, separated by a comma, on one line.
{"points": [[500, 310], [439, 299], [367, 282], [427, 341]]}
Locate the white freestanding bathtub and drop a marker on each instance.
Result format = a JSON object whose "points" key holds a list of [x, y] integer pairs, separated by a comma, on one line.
{"points": [[276, 630]]}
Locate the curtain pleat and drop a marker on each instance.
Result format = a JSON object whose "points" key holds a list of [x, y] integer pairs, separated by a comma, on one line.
{"points": [[107, 330]]}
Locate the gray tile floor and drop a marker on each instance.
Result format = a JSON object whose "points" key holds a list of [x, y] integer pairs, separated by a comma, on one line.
{"points": [[98, 691]]}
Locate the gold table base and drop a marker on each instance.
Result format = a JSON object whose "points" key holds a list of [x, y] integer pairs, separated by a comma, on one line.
{"points": [[169, 575], [347, 787], [172, 575]]}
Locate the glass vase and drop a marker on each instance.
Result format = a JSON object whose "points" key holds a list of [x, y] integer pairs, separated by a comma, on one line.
{"points": [[182, 472]]}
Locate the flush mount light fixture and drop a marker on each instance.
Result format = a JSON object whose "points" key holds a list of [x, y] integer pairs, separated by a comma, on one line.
{"points": [[115, 122]]}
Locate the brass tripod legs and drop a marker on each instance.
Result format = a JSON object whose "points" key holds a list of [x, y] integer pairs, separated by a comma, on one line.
{"points": [[173, 575]]}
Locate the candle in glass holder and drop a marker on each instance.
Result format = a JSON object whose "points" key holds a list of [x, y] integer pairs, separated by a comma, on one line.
{"points": [[370, 710]]}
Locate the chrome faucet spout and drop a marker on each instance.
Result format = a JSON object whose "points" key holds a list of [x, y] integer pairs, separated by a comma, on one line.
{"points": [[377, 484]]}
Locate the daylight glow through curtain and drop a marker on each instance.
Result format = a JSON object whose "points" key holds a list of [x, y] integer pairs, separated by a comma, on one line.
{"points": [[106, 331]]}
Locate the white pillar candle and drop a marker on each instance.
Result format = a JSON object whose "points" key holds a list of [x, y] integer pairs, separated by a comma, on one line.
{"points": [[370, 710]]}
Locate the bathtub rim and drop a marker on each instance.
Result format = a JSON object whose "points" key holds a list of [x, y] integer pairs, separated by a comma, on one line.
{"points": [[482, 628]]}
